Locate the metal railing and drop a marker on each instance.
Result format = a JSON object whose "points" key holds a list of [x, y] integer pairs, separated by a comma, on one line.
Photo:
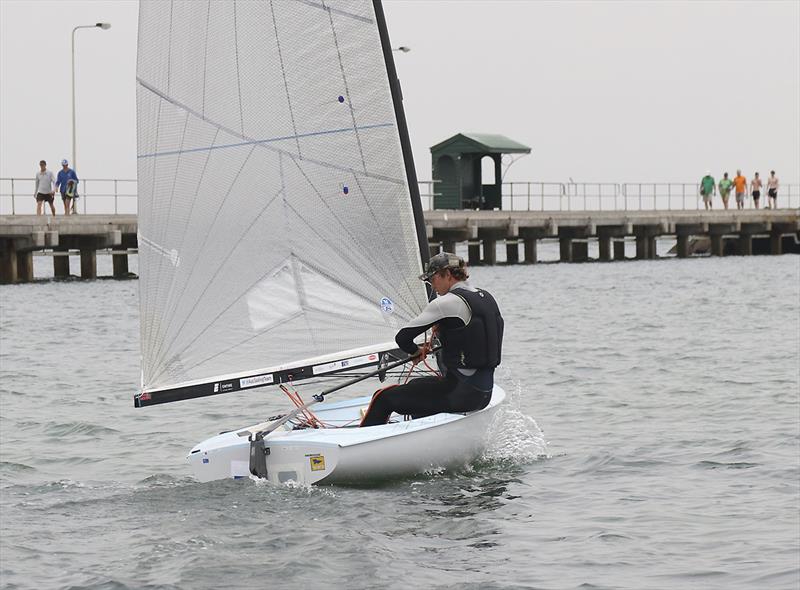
{"points": [[96, 195], [119, 195]]}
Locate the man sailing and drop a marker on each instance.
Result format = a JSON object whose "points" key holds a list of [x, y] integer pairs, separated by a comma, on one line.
{"points": [[470, 328]]}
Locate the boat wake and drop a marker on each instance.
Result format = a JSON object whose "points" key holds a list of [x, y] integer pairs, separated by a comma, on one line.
{"points": [[514, 437]]}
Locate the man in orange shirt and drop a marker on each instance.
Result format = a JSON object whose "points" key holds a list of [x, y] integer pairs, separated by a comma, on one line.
{"points": [[740, 182]]}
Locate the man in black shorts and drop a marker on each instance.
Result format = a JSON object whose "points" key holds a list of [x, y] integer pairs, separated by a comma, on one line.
{"points": [[44, 192], [772, 190]]}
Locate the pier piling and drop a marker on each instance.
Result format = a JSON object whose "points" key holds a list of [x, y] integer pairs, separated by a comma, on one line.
{"points": [[744, 232]]}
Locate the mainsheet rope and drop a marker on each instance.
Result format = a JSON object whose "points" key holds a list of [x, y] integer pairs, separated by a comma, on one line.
{"points": [[312, 420]]}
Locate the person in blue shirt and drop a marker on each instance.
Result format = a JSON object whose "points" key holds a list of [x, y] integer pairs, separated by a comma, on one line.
{"points": [[67, 184]]}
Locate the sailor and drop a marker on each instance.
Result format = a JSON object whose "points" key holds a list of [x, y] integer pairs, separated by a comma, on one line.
{"points": [[470, 328]]}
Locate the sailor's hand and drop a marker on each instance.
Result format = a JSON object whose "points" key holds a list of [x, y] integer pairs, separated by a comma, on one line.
{"points": [[422, 352], [419, 356]]}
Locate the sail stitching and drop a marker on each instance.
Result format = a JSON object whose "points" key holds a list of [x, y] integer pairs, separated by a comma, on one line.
{"points": [[232, 303], [170, 301], [362, 249], [265, 143], [238, 74], [285, 81], [166, 225], [205, 237], [343, 256], [339, 11], [392, 252], [346, 87], [210, 282], [205, 57], [245, 292]]}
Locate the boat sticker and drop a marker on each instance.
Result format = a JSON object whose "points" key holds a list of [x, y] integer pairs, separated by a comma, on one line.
{"points": [[387, 306], [256, 381], [357, 361], [317, 462]]}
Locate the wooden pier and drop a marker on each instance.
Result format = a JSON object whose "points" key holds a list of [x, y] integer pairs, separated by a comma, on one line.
{"points": [[728, 231]]}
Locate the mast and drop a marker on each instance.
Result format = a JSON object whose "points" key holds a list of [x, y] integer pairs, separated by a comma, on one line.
{"points": [[402, 127]]}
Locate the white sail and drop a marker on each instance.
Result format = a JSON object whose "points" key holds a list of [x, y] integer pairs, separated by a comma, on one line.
{"points": [[275, 215]]}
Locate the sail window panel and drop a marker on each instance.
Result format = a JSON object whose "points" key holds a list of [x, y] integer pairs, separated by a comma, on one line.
{"points": [[341, 232], [274, 299], [365, 235]]}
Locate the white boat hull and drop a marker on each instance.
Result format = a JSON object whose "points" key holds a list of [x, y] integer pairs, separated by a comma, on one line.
{"points": [[351, 454]]}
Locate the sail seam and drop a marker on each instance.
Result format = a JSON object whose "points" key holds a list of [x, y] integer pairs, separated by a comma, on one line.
{"points": [[238, 73], [205, 237], [210, 282], [339, 11], [285, 81], [265, 143], [346, 88], [171, 302]]}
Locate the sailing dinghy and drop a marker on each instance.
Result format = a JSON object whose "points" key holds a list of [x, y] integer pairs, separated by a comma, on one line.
{"points": [[281, 233]]}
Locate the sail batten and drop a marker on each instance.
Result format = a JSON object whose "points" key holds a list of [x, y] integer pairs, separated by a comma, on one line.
{"points": [[249, 258]]}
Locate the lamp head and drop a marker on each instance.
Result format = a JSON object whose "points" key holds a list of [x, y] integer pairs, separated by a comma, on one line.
{"points": [[104, 26]]}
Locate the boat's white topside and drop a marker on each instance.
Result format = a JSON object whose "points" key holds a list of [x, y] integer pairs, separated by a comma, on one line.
{"points": [[440, 439]]}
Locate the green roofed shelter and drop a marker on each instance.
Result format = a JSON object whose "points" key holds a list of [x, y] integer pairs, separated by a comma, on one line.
{"points": [[457, 170]]}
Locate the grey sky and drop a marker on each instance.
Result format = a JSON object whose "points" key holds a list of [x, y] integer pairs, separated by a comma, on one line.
{"points": [[606, 91]]}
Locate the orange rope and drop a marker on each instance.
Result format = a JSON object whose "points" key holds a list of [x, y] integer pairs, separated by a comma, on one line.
{"points": [[314, 422]]}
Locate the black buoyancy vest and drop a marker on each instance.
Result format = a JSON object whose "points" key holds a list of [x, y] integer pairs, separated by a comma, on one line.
{"points": [[478, 344]]}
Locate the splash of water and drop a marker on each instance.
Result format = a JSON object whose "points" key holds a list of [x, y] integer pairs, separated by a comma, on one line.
{"points": [[514, 436]]}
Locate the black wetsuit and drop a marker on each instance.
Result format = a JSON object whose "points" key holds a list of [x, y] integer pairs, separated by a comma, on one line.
{"points": [[472, 335]]}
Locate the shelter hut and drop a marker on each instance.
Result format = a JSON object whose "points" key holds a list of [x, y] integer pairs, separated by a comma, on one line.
{"points": [[467, 170]]}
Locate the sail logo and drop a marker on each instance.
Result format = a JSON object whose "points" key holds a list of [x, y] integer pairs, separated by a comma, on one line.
{"points": [[256, 381], [387, 306], [357, 361]]}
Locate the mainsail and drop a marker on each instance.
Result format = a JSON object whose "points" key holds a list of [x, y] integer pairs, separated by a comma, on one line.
{"points": [[280, 230]]}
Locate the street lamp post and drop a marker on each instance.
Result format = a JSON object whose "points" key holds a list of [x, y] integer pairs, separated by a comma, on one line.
{"points": [[105, 27]]}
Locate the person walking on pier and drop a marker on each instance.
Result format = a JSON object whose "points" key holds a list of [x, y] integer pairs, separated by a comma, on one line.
{"points": [[755, 188], [741, 187], [725, 186], [772, 190], [67, 183], [44, 189], [707, 189]]}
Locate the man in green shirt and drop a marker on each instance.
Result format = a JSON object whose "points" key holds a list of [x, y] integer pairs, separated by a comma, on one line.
{"points": [[725, 186], [707, 189]]}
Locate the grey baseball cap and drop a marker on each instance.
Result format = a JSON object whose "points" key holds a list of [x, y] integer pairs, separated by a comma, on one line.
{"points": [[440, 262]]}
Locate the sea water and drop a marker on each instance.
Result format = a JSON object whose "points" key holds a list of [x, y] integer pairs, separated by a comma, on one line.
{"points": [[651, 440]]}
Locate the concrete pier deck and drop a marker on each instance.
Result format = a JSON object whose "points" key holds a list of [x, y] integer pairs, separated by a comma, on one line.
{"points": [[21, 235], [609, 228]]}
